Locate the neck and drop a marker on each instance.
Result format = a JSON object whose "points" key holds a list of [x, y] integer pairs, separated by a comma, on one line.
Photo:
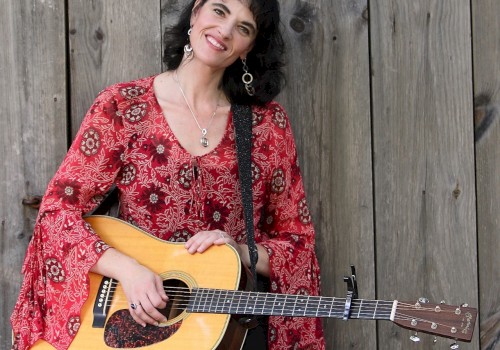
{"points": [[200, 84]]}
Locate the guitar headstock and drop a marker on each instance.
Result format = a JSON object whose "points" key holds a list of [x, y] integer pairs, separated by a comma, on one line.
{"points": [[456, 322]]}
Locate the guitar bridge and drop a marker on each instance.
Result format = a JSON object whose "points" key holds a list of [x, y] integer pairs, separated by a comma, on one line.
{"points": [[103, 301]]}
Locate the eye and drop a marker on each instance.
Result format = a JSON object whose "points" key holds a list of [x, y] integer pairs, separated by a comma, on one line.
{"points": [[219, 12], [244, 30]]}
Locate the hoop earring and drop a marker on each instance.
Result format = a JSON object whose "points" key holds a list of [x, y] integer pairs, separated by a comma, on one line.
{"points": [[247, 78], [188, 50]]}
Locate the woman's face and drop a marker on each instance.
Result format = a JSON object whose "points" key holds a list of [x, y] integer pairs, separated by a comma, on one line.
{"points": [[222, 32]]}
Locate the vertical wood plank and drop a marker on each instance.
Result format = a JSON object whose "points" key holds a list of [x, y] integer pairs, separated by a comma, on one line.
{"points": [[423, 156], [486, 44], [328, 101], [110, 41], [32, 111]]}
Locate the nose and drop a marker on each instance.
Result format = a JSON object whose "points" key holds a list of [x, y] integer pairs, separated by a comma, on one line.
{"points": [[226, 30]]}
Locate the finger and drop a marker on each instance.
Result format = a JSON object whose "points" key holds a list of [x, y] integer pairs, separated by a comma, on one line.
{"points": [[132, 309], [151, 314], [194, 243], [222, 238], [143, 312], [161, 291]]}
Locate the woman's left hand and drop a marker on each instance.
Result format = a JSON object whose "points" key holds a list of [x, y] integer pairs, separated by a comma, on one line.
{"points": [[205, 239]]}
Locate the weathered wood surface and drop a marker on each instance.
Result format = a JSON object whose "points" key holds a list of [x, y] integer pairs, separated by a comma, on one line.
{"points": [[423, 156], [486, 38], [110, 41], [328, 101], [32, 112], [381, 106]]}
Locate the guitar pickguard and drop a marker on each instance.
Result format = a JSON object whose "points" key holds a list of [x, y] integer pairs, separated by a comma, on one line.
{"points": [[122, 331]]}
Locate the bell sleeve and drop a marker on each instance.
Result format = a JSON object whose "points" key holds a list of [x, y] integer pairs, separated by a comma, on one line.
{"points": [[64, 247], [291, 245]]}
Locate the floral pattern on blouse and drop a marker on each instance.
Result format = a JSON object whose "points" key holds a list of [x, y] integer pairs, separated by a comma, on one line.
{"points": [[126, 141]]}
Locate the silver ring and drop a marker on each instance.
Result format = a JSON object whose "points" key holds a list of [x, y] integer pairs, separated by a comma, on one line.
{"points": [[134, 306]]}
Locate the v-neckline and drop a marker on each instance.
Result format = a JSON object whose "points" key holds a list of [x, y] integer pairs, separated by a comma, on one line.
{"points": [[159, 110]]}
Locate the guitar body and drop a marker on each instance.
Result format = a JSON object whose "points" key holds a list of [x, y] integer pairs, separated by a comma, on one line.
{"points": [[218, 267]]}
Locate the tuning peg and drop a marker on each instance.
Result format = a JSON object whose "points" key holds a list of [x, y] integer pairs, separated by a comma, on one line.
{"points": [[415, 338], [423, 300], [434, 340], [443, 302], [454, 346], [464, 305]]}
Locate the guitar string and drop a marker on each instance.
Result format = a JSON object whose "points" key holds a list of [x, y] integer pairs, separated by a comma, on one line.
{"points": [[368, 313], [377, 304], [368, 310]]}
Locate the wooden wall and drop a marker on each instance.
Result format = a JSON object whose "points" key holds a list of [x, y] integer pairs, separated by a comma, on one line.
{"points": [[395, 105]]}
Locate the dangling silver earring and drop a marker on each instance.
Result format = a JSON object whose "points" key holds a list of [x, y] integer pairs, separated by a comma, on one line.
{"points": [[247, 78], [188, 50]]}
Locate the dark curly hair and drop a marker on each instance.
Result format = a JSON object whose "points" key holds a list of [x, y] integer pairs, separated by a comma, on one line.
{"points": [[265, 60]]}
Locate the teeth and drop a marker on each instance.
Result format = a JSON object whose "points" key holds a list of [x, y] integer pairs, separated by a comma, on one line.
{"points": [[215, 43]]}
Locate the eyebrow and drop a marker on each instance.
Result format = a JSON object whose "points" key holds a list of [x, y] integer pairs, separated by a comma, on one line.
{"points": [[225, 8]]}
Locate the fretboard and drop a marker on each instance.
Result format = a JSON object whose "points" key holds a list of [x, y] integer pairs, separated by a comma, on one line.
{"points": [[223, 301]]}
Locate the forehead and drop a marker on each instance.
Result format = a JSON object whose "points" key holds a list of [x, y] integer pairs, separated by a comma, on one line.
{"points": [[229, 3]]}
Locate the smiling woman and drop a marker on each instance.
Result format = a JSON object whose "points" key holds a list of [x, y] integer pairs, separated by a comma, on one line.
{"points": [[167, 143]]}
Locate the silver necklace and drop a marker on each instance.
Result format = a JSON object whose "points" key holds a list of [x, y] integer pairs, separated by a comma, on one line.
{"points": [[204, 131]]}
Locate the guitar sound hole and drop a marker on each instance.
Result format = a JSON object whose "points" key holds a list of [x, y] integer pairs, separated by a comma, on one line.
{"points": [[178, 297]]}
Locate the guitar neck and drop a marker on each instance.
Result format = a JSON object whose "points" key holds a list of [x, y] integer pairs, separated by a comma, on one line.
{"points": [[256, 303]]}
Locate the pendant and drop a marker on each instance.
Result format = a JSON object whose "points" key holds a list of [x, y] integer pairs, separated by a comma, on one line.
{"points": [[204, 140]]}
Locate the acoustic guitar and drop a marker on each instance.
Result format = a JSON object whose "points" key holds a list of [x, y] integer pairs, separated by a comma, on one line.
{"points": [[204, 293]]}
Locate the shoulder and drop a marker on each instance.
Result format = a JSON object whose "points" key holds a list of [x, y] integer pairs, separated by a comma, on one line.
{"points": [[130, 101], [270, 115], [127, 91]]}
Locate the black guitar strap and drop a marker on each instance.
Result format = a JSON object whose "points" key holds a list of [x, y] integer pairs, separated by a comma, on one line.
{"points": [[242, 121]]}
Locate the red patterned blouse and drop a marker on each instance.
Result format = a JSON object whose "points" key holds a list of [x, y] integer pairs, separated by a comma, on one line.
{"points": [[125, 140]]}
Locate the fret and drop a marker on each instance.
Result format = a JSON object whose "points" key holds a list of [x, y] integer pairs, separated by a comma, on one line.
{"points": [[294, 304], [210, 301], [360, 307], [331, 306], [307, 302], [375, 310], [218, 298], [226, 302], [273, 303], [264, 304], [318, 304], [204, 305], [250, 304], [282, 304], [323, 307], [238, 294]]}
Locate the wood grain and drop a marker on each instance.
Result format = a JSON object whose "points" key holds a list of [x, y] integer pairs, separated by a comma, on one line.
{"points": [[32, 111], [110, 41], [486, 37], [423, 155], [328, 102]]}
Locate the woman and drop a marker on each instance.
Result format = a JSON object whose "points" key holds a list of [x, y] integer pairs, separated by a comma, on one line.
{"points": [[167, 143]]}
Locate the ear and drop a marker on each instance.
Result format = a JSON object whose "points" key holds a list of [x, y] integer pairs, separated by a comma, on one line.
{"points": [[245, 53]]}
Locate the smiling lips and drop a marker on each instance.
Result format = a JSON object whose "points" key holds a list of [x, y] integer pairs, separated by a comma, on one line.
{"points": [[215, 43]]}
